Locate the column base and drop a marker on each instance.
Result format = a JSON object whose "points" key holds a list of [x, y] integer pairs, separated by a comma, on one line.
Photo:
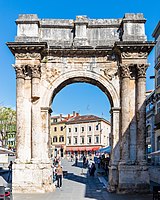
{"points": [[32, 178], [133, 178]]}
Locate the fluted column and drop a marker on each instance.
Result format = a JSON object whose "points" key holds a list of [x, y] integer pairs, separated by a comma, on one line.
{"points": [[125, 117], [20, 134], [141, 113], [36, 116], [115, 113]]}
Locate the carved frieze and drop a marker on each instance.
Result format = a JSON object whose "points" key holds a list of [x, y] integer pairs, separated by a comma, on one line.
{"points": [[134, 54], [125, 70], [28, 56], [141, 70]]}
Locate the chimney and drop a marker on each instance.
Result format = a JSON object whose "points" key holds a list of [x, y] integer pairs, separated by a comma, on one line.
{"points": [[60, 116], [74, 113], [77, 114], [68, 116]]}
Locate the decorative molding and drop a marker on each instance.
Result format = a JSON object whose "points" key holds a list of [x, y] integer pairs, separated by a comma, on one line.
{"points": [[134, 54], [141, 70], [28, 56]]}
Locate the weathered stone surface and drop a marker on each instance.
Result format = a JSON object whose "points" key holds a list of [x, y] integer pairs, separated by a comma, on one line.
{"points": [[108, 53]]}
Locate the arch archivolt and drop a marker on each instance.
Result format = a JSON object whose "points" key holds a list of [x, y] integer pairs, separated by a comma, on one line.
{"points": [[82, 76]]}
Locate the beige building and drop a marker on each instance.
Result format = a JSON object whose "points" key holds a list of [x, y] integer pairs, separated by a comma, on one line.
{"points": [[86, 134], [57, 134]]}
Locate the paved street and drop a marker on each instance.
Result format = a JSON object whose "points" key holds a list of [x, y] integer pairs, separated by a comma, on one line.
{"points": [[77, 185]]}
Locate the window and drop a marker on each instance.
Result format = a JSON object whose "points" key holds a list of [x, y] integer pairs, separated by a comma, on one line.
{"points": [[82, 129], [55, 139], [69, 140], [97, 139], [75, 129], [158, 77], [82, 140], [97, 127], [158, 143], [89, 140], [69, 130], [61, 139], [55, 129], [148, 132], [61, 128], [89, 128], [75, 140]]}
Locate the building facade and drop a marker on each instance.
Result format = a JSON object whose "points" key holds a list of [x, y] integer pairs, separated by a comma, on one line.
{"points": [[86, 134], [156, 35], [150, 120]]}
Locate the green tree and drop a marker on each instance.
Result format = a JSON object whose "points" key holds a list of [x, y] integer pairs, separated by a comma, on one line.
{"points": [[7, 124]]}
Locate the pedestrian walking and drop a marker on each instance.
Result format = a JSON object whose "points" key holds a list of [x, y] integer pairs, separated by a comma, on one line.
{"points": [[76, 161], [59, 173], [93, 169]]}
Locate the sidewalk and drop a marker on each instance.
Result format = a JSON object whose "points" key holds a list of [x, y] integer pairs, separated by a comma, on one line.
{"points": [[78, 185]]}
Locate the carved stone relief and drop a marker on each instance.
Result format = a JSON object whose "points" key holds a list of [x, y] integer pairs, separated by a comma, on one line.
{"points": [[134, 55], [22, 56], [52, 74]]}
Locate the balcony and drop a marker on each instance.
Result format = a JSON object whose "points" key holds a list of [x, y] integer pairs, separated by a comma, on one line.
{"points": [[157, 119]]}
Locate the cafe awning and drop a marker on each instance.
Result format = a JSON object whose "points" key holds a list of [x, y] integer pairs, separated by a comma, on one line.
{"points": [[83, 148]]}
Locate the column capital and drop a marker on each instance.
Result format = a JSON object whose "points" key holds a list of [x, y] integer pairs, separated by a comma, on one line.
{"points": [[125, 70], [20, 71], [36, 71], [141, 70]]}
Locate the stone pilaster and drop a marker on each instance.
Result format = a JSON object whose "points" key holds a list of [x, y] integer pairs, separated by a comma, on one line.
{"points": [[45, 116], [141, 107], [36, 115], [115, 155], [125, 117]]}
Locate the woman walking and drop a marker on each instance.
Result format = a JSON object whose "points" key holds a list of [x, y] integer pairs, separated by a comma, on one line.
{"points": [[59, 173]]}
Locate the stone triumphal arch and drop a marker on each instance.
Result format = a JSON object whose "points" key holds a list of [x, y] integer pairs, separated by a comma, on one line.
{"points": [[109, 53]]}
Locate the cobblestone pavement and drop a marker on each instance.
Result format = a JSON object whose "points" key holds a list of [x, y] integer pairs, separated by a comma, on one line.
{"points": [[77, 185]]}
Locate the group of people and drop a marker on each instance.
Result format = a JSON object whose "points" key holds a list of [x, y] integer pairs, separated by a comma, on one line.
{"points": [[57, 172]]}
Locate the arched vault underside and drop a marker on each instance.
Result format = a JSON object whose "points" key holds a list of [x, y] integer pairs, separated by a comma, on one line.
{"points": [[108, 53]]}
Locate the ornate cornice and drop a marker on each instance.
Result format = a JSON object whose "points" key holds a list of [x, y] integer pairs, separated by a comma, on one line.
{"points": [[141, 70], [24, 48]]}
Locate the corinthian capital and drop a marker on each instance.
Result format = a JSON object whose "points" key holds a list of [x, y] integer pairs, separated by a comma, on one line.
{"points": [[125, 71], [36, 71], [20, 69], [141, 70]]}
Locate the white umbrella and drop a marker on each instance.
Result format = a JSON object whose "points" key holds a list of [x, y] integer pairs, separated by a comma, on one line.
{"points": [[5, 151]]}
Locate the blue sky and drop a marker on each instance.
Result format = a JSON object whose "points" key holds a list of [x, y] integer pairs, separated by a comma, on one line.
{"points": [[83, 98]]}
